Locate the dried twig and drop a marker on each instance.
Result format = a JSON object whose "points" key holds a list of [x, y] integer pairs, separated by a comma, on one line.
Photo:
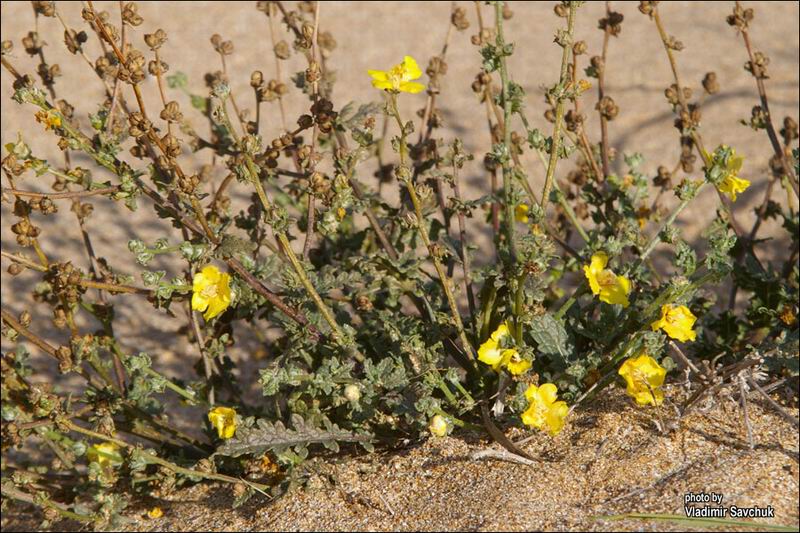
{"points": [[502, 455]]}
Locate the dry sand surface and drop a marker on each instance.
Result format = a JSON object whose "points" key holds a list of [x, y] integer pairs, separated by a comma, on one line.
{"points": [[435, 486], [610, 459]]}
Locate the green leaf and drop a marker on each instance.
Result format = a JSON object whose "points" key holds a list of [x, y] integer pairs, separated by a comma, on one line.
{"points": [[200, 103], [179, 80], [277, 437], [551, 336]]}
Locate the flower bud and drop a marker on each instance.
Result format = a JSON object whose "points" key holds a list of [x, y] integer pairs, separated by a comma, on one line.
{"points": [[352, 393], [438, 426]]}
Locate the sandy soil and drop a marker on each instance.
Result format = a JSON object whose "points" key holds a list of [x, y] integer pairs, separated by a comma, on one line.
{"points": [[610, 459], [376, 35]]}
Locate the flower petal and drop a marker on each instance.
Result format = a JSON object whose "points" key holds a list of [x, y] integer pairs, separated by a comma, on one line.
{"points": [[556, 417], [616, 294], [532, 393], [223, 419], [211, 273], [548, 392], [736, 162], [599, 261], [215, 307], [411, 69], [644, 377], [411, 87], [378, 75], [501, 332], [199, 302], [533, 417], [514, 363], [489, 353]]}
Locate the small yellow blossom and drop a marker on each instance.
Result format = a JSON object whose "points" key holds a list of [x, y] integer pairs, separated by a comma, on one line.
{"points": [[50, 119], [521, 213], [438, 426], [495, 355], [515, 363], [211, 291], [644, 377], [583, 86], [155, 512], [105, 453], [398, 78], [268, 466], [352, 393], [642, 216], [677, 321], [627, 181], [732, 184], [787, 315], [544, 412], [490, 352], [224, 421], [611, 288]]}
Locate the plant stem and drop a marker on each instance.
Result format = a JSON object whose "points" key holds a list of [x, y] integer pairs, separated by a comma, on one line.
{"points": [[580, 290], [562, 86], [698, 142], [437, 263], [336, 332], [255, 177], [773, 136], [465, 260], [44, 502], [670, 219], [61, 195], [154, 459], [180, 391], [519, 303], [507, 192], [601, 89]]}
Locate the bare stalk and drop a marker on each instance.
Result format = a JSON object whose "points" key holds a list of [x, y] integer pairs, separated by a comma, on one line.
{"points": [[562, 86]]}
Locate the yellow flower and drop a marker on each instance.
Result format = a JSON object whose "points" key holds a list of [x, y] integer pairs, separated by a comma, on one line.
{"points": [[677, 322], [105, 453], [211, 291], [268, 466], [398, 78], [495, 355], [514, 362], [732, 184], [612, 289], [521, 213], [544, 412], [224, 421], [642, 216], [490, 352], [644, 377], [155, 512], [438, 426], [787, 315], [50, 119], [627, 181]]}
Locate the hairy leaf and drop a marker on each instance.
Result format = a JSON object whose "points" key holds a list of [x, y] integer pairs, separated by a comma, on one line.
{"points": [[276, 437]]}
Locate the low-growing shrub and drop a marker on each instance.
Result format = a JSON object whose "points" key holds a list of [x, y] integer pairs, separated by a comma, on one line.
{"points": [[390, 327]]}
